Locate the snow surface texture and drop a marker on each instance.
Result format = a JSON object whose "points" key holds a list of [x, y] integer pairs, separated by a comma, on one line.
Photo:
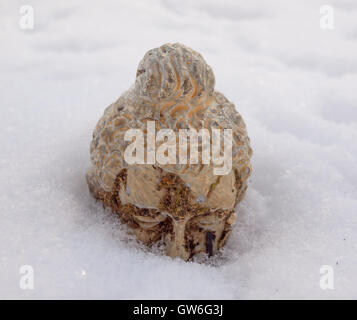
{"points": [[293, 83]]}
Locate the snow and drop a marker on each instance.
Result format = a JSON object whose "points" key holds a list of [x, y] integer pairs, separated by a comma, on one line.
{"points": [[295, 86]]}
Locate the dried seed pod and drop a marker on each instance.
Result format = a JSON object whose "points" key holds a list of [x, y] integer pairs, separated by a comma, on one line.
{"points": [[188, 206]]}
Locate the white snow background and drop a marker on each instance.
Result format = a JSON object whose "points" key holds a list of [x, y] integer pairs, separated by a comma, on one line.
{"points": [[295, 85]]}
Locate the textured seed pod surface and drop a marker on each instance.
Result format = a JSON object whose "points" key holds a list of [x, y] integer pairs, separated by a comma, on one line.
{"points": [[187, 206]]}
